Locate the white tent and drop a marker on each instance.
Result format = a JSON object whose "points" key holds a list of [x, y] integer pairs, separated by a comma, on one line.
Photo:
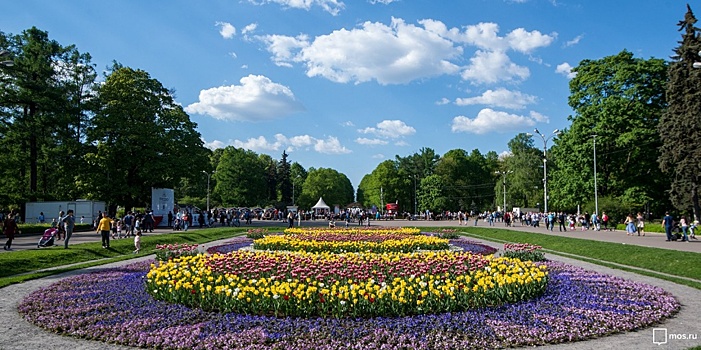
{"points": [[321, 205]]}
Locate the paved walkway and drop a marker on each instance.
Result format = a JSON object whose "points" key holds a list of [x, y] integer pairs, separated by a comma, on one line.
{"points": [[15, 333], [655, 240]]}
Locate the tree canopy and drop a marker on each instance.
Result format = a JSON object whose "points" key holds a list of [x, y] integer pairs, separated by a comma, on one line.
{"points": [[619, 99]]}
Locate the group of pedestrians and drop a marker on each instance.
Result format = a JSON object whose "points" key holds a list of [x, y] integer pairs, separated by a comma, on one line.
{"points": [[688, 230], [106, 224]]}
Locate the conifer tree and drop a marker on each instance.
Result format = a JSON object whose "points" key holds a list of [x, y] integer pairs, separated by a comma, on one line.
{"points": [[680, 125]]}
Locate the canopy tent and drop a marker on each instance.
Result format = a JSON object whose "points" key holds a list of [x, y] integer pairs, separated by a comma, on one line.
{"points": [[321, 205]]}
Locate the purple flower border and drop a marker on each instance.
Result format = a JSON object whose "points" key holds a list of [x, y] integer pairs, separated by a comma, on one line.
{"points": [[112, 306]]}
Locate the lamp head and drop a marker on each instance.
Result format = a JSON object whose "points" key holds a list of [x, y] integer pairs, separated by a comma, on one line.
{"points": [[556, 131], [536, 131]]}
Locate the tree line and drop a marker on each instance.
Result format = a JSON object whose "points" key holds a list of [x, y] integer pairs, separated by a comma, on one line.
{"points": [[66, 135]]}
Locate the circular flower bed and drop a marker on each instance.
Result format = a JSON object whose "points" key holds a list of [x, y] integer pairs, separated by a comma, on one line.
{"points": [[345, 285], [113, 306]]}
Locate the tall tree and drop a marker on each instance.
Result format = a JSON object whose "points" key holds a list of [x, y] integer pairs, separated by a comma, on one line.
{"points": [[141, 139], [620, 99], [284, 181], [329, 184], [431, 196], [680, 125], [524, 181], [240, 178], [384, 185], [270, 176], [43, 109]]}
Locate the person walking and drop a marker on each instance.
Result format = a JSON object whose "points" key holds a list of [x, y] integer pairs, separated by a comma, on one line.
{"points": [[641, 224], [685, 228], [103, 228], [290, 219], [68, 225], [10, 229], [61, 230], [630, 225], [137, 242], [668, 223]]}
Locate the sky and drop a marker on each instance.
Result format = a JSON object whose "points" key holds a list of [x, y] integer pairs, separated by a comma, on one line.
{"points": [[348, 84]]}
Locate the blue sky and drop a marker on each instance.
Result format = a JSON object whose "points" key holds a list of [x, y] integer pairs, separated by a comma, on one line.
{"points": [[348, 84]]}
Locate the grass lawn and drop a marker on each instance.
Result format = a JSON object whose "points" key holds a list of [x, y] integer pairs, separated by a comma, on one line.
{"points": [[25, 265], [663, 261]]}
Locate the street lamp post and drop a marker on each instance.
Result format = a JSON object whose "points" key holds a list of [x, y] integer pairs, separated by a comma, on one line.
{"points": [[545, 164], [503, 173], [596, 192], [209, 175]]}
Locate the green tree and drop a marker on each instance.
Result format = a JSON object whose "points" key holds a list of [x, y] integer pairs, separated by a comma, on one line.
{"points": [[524, 182], [270, 176], [141, 138], [326, 183], [44, 106], [240, 178], [431, 195], [298, 175], [284, 181], [680, 125], [384, 185], [620, 99]]}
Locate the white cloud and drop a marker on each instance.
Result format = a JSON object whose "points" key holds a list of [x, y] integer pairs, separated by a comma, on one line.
{"points": [[249, 28], [384, 2], [492, 67], [256, 99], [394, 54], [378, 156], [370, 142], [330, 145], [258, 144], [226, 30], [489, 120], [539, 117], [566, 70], [331, 6], [499, 98], [505, 154], [525, 42], [574, 41], [443, 101], [214, 144], [401, 143], [348, 123], [390, 129], [399, 53], [284, 47]]}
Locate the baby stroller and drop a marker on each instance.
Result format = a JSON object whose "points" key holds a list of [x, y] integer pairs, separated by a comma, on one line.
{"points": [[47, 239]]}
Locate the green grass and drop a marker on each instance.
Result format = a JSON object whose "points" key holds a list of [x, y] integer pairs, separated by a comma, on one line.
{"points": [[26, 265], [662, 261]]}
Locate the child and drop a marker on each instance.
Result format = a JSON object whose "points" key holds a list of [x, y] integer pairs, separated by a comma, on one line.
{"points": [[119, 228], [137, 225], [137, 242], [114, 229]]}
